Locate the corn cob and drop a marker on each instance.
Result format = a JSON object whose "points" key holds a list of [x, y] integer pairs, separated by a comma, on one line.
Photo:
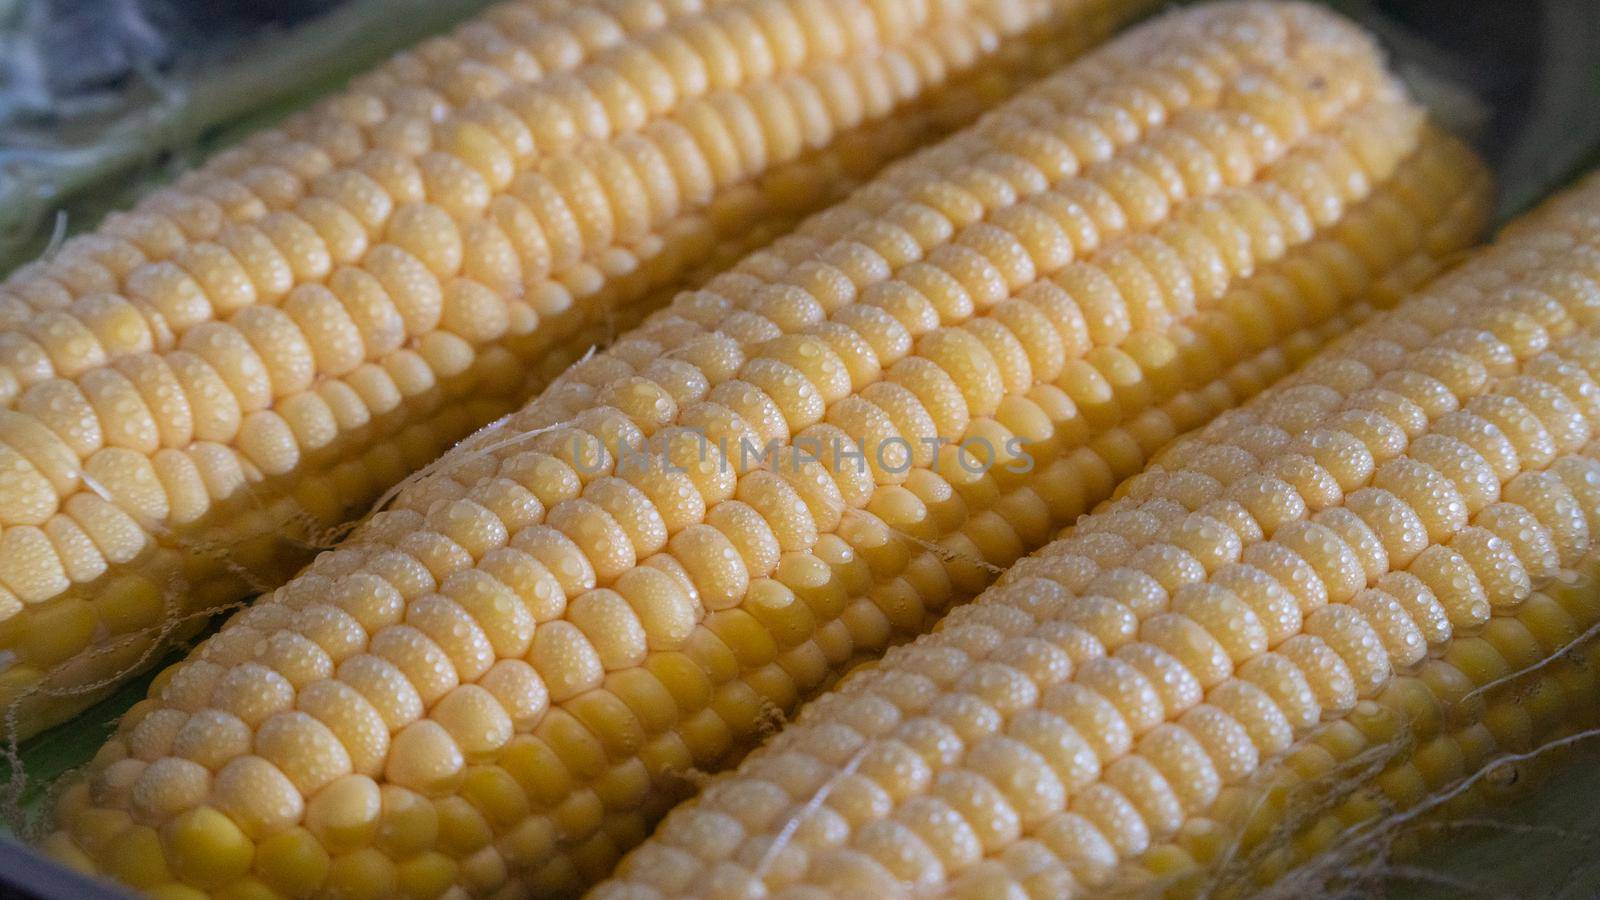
{"points": [[1432, 738], [1376, 521], [1525, 679], [201, 388], [498, 682]]}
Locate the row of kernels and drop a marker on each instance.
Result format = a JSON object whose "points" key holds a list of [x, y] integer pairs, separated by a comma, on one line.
{"points": [[508, 45]]}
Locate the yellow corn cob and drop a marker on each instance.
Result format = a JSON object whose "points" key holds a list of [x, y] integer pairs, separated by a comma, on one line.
{"points": [[199, 389], [1371, 529], [499, 682], [1432, 737]]}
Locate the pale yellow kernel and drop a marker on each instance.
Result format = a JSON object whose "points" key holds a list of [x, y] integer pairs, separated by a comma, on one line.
{"points": [[664, 610], [566, 660], [257, 795], [415, 657], [1283, 681], [714, 565], [423, 757], [1234, 624], [475, 719], [344, 814], [1324, 670], [167, 788], [305, 750], [1453, 583], [252, 693]]}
